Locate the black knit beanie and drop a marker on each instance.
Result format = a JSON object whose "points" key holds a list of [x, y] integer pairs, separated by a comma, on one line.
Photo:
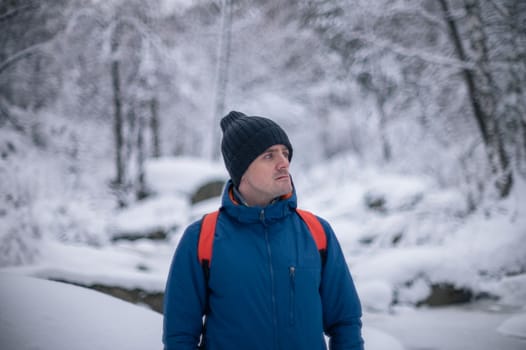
{"points": [[245, 138]]}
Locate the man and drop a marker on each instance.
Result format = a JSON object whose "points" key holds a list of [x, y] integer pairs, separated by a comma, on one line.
{"points": [[268, 287]]}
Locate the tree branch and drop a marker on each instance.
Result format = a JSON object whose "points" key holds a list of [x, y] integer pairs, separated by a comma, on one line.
{"points": [[500, 8], [410, 52], [13, 12], [31, 50]]}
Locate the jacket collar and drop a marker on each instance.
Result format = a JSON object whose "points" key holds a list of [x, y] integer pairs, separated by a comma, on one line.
{"points": [[277, 210]]}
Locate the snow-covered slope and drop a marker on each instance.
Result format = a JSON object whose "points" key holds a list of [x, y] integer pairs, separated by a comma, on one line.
{"points": [[45, 315], [39, 314]]}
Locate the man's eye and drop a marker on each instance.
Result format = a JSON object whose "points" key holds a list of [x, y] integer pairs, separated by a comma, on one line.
{"points": [[268, 156]]}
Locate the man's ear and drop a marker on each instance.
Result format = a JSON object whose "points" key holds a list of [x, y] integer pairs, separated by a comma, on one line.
{"points": [[243, 179]]}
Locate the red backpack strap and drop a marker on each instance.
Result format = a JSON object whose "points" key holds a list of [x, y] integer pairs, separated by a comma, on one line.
{"points": [[315, 228], [206, 239]]}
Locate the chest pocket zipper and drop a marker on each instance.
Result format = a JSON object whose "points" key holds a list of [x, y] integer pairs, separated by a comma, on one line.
{"points": [[292, 280]]}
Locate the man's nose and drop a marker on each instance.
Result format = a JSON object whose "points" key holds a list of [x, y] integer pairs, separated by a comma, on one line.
{"points": [[283, 161]]}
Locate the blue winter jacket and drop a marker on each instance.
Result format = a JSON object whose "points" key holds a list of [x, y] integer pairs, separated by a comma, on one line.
{"points": [[267, 287]]}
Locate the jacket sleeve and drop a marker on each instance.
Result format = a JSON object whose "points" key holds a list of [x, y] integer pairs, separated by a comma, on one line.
{"points": [[185, 295], [342, 311]]}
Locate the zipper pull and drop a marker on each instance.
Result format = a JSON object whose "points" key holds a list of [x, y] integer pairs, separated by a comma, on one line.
{"points": [[292, 271], [262, 215]]}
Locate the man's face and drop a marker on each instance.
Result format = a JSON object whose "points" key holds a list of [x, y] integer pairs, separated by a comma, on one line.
{"points": [[267, 177]]}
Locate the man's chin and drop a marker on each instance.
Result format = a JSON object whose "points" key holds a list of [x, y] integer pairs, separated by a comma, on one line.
{"points": [[286, 188]]}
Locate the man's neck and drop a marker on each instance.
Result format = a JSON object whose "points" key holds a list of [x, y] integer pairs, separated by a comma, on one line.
{"points": [[241, 199]]}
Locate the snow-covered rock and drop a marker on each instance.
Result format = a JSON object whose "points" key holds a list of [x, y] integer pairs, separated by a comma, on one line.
{"points": [[45, 315], [151, 218], [181, 175], [514, 326]]}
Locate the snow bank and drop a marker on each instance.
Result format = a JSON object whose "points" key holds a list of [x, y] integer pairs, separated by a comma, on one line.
{"points": [[45, 315], [183, 175], [39, 314], [161, 213], [142, 265], [402, 235], [514, 326], [375, 339]]}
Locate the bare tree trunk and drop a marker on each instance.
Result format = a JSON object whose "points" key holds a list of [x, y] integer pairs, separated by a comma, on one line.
{"points": [[521, 149], [386, 147], [118, 125], [130, 138], [381, 92], [155, 127], [141, 152], [117, 122], [515, 15], [222, 74], [480, 86]]}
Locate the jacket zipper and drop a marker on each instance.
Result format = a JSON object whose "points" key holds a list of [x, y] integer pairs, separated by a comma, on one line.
{"points": [[273, 287], [292, 279]]}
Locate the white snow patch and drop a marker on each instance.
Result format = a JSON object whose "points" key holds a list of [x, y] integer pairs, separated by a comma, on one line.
{"points": [[183, 175], [514, 326], [159, 213], [45, 315]]}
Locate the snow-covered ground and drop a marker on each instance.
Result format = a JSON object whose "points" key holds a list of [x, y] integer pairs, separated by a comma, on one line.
{"points": [[453, 328], [401, 235], [45, 315]]}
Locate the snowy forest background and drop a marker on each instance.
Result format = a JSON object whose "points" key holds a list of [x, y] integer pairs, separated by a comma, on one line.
{"points": [[93, 92]]}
